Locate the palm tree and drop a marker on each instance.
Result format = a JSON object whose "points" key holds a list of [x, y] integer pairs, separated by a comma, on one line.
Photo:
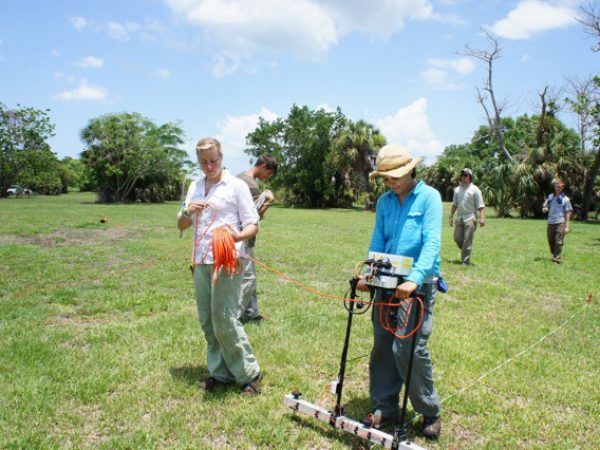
{"points": [[353, 157]]}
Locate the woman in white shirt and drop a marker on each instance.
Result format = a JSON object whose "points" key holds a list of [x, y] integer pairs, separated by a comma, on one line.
{"points": [[219, 199]]}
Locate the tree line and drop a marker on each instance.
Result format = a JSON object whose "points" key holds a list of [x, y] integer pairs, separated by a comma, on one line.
{"points": [[324, 157], [127, 157]]}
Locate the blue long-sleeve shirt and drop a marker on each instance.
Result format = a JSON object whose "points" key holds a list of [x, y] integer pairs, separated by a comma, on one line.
{"points": [[412, 229]]}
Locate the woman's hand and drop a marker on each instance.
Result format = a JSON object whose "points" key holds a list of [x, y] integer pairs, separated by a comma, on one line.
{"points": [[405, 289], [362, 284], [235, 235], [197, 206], [248, 232]]}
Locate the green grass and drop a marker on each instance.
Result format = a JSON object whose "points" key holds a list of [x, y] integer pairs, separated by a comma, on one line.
{"points": [[101, 347]]}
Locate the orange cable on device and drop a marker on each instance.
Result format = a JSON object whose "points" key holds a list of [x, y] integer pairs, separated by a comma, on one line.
{"points": [[385, 324]]}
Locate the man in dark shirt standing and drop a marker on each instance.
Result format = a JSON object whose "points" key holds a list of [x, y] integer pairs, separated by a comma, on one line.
{"points": [[265, 167]]}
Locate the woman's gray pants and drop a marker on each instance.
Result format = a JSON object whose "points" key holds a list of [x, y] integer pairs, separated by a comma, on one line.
{"points": [[390, 357]]}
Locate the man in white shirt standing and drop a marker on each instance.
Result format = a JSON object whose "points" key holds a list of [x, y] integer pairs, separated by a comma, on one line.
{"points": [[559, 209], [467, 200]]}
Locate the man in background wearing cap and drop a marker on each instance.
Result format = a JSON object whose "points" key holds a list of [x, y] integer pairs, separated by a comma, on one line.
{"points": [[467, 200], [408, 222]]}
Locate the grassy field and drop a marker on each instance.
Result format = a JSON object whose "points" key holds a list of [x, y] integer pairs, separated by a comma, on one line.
{"points": [[101, 347]]}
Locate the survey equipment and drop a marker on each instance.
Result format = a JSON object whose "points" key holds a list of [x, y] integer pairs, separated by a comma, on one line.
{"points": [[384, 273]]}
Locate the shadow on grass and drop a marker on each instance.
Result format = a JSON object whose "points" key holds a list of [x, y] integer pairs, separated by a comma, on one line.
{"points": [[192, 375], [331, 433], [456, 262], [592, 222], [360, 407]]}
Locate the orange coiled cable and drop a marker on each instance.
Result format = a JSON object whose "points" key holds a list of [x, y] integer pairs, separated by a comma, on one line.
{"points": [[384, 316], [224, 253]]}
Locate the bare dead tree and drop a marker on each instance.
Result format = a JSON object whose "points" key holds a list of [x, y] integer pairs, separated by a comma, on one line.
{"points": [[590, 19], [548, 103], [539, 135], [582, 91], [492, 113]]}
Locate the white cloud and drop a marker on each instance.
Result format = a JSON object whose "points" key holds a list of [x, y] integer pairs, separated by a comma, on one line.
{"points": [[453, 19], [381, 18], [439, 75], [55, 53], [117, 31], [439, 79], [161, 72], [232, 135], [85, 92], [305, 28], [410, 127], [90, 61], [122, 31], [225, 64], [243, 26], [525, 58], [531, 17], [462, 66], [59, 76], [78, 22], [325, 107]]}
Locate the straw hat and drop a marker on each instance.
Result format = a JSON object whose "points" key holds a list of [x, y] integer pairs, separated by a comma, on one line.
{"points": [[394, 161]]}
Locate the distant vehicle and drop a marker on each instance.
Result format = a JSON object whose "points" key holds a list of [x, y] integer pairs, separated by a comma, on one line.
{"points": [[15, 189]]}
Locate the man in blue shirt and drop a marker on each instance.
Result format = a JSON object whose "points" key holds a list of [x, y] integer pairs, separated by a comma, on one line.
{"points": [[408, 222]]}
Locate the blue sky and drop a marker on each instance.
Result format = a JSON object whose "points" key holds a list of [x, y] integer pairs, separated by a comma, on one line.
{"points": [[217, 65]]}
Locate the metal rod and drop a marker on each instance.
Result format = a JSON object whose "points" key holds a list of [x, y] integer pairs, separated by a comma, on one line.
{"points": [[401, 431], [340, 385]]}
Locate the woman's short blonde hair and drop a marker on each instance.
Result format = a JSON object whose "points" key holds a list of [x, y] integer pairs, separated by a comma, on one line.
{"points": [[208, 143]]}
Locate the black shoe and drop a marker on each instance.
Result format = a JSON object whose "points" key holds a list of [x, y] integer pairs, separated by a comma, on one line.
{"points": [[252, 388], [210, 384], [432, 426], [256, 319]]}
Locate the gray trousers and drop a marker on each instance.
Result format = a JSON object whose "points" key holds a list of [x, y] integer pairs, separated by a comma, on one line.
{"points": [[389, 363], [556, 237], [463, 236], [228, 352], [248, 299]]}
